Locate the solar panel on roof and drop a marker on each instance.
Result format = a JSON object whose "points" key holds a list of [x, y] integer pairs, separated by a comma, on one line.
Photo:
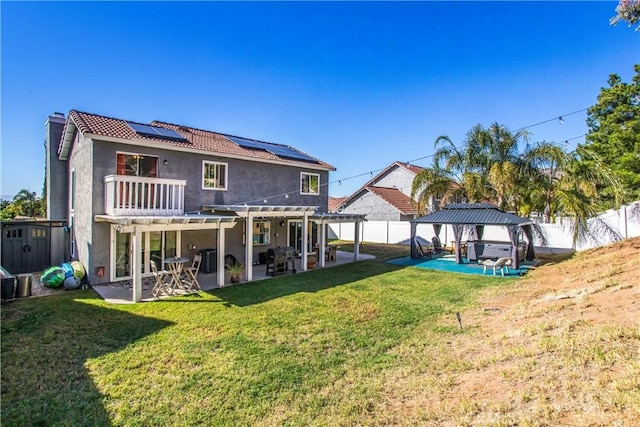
{"points": [[277, 149], [244, 142], [284, 151], [169, 133], [156, 132]]}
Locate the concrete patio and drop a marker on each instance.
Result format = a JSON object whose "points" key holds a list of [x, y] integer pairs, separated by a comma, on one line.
{"points": [[122, 292]]}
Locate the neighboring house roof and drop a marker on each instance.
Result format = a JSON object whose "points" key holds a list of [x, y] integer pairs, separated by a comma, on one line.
{"points": [[472, 214], [94, 125], [335, 203], [411, 168], [395, 198]]}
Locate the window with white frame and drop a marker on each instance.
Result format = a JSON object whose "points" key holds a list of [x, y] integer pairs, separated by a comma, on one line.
{"points": [[72, 195], [309, 183], [214, 176], [261, 234]]}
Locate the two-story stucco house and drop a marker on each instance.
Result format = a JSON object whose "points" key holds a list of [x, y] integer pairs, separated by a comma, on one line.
{"points": [[386, 196], [134, 192]]}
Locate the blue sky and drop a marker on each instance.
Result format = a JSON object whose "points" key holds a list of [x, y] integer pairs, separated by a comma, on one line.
{"points": [[356, 84]]}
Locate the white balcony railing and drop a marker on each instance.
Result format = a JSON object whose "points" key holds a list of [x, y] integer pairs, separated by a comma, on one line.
{"points": [[135, 195]]}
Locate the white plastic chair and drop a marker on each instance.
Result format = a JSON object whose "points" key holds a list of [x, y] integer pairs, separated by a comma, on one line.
{"points": [[500, 263]]}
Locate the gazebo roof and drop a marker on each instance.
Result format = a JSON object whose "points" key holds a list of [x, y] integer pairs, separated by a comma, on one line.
{"points": [[472, 214]]}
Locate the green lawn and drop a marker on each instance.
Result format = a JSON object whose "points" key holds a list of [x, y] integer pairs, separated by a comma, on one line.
{"points": [[304, 349]]}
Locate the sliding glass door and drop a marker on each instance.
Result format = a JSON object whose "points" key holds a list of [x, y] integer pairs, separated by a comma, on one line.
{"points": [[295, 235], [156, 246]]}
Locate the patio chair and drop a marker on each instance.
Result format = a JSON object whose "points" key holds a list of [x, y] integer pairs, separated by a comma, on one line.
{"points": [[437, 245], [499, 264], [422, 250], [330, 252], [191, 273], [161, 286]]}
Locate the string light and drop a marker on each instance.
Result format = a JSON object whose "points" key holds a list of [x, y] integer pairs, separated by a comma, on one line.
{"points": [[560, 118], [414, 161], [339, 182], [566, 141]]}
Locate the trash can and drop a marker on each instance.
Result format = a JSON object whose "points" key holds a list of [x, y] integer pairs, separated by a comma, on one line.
{"points": [[209, 260], [8, 284], [23, 287]]}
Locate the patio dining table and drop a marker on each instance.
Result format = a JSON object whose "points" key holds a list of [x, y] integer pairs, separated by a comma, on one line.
{"points": [[174, 265]]}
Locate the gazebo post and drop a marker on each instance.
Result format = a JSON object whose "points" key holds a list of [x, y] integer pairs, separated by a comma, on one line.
{"points": [[457, 235], [513, 237], [531, 252], [414, 250], [356, 241]]}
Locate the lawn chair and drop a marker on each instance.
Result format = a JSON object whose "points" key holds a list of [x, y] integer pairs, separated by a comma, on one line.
{"points": [[499, 264], [191, 273], [330, 253], [422, 250], [161, 286], [437, 245]]}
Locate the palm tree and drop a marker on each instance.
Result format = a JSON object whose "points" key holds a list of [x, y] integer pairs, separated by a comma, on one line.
{"points": [[433, 183], [484, 168], [448, 179], [540, 178], [27, 202], [503, 178], [543, 166], [499, 160], [567, 185]]}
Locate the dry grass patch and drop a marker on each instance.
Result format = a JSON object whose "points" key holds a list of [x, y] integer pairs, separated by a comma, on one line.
{"points": [[559, 347]]}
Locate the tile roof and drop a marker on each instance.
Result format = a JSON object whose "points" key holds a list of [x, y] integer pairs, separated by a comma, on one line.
{"points": [[411, 168], [395, 198], [335, 202], [196, 139]]}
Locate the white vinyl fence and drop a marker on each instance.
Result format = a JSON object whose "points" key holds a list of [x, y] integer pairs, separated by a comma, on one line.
{"points": [[622, 223]]}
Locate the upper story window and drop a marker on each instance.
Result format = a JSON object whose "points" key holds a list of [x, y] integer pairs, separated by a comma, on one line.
{"points": [[137, 165], [214, 176], [309, 183]]}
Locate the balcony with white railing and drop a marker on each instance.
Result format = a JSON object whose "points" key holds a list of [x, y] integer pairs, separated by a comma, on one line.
{"points": [[140, 196]]}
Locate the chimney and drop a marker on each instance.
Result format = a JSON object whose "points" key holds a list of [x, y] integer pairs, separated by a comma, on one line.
{"points": [[56, 174]]}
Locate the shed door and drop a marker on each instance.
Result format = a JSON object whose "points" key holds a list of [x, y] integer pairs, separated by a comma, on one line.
{"points": [[25, 248], [14, 238], [38, 248]]}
